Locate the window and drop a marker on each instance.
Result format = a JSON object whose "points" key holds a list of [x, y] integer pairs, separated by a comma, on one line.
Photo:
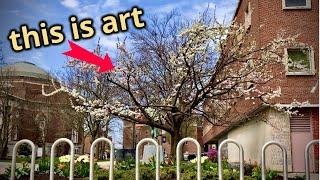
{"points": [[247, 16], [300, 122], [299, 61], [14, 134], [42, 124], [74, 136], [77, 150], [296, 4]]}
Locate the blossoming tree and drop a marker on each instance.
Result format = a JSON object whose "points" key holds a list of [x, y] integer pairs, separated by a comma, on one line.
{"points": [[172, 69], [81, 78]]}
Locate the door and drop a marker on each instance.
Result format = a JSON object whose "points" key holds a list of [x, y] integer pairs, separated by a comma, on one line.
{"points": [[301, 135]]}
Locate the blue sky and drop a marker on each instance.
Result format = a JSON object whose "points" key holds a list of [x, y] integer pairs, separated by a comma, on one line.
{"points": [[13, 13]]}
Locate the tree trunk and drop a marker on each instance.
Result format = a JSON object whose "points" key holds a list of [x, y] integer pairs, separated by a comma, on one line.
{"points": [[97, 149], [4, 138], [175, 138], [4, 149]]}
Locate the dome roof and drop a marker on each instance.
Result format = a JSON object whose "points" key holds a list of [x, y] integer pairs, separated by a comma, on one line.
{"points": [[27, 69]]}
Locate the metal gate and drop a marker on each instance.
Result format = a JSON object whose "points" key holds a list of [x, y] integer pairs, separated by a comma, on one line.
{"points": [[178, 153]]}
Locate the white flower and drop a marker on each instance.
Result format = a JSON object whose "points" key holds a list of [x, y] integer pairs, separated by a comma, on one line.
{"points": [[193, 160], [202, 159], [83, 158], [65, 158]]}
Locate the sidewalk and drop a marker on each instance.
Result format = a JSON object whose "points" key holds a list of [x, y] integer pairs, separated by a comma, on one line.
{"points": [[4, 165]]}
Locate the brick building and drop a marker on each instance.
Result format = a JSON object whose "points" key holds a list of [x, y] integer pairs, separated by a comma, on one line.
{"points": [[34, 116], [264, 19], [133, 133]]}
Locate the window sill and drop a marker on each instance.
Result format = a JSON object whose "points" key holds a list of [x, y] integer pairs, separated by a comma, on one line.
{"points": [[299, 74], [297, 8]]}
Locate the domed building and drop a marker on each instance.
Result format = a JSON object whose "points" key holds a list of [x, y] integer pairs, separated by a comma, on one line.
{"points": [[30, 115]]}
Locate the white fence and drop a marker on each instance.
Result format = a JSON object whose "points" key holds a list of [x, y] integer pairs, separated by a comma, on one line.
{"points": [[178, 155]]}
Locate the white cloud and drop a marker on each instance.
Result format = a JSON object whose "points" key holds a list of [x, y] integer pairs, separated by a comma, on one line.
{"points": [[70, 3], [111, 3], [90, 10], [191, 10], [223, 10], [110, 42]]}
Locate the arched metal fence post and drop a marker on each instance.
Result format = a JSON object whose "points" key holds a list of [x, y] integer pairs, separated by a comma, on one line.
{"points": [[178, 154], [111, 156], [53, 154], [241, 157], [14, 158], [284, 156], [157, 157], [306, 157]]}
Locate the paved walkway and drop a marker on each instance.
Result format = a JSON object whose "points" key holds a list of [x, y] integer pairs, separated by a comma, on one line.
{"points": [[104, 164], [314, 176], [4, 165]]}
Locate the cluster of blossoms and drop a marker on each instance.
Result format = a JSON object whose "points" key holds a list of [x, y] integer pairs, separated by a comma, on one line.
{"points": [[290, 109], [85, 67], [212, 154], [83, 158], [202, 159], [65, 159]]}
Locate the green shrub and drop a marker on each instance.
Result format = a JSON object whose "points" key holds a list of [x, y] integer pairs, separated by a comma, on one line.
{"points": [[44, 165], [23, 158], [125, 170], [248, 168], [168, 172], [82, 169], [101, 174], [147, 173], [19, 172], [270, 174], [188, 171], [63, 169], [125, 165]]}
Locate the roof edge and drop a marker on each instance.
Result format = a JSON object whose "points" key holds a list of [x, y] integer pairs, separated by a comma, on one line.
{"points": [[237, 9]]}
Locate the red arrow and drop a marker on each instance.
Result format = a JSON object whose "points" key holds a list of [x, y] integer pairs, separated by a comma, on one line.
{"points": [[82, 54]]}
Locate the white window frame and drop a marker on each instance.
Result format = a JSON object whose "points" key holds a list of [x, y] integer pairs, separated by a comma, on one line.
{"points": [[311, 61], [42, 124], [77, 150], [74, 136], [307, 6], [14, 134]]}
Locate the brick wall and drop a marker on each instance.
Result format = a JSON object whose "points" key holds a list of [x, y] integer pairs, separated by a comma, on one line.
{"points": [[30, 104], [143, 131], [315, 130], [268, 19], [127, 135]]}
